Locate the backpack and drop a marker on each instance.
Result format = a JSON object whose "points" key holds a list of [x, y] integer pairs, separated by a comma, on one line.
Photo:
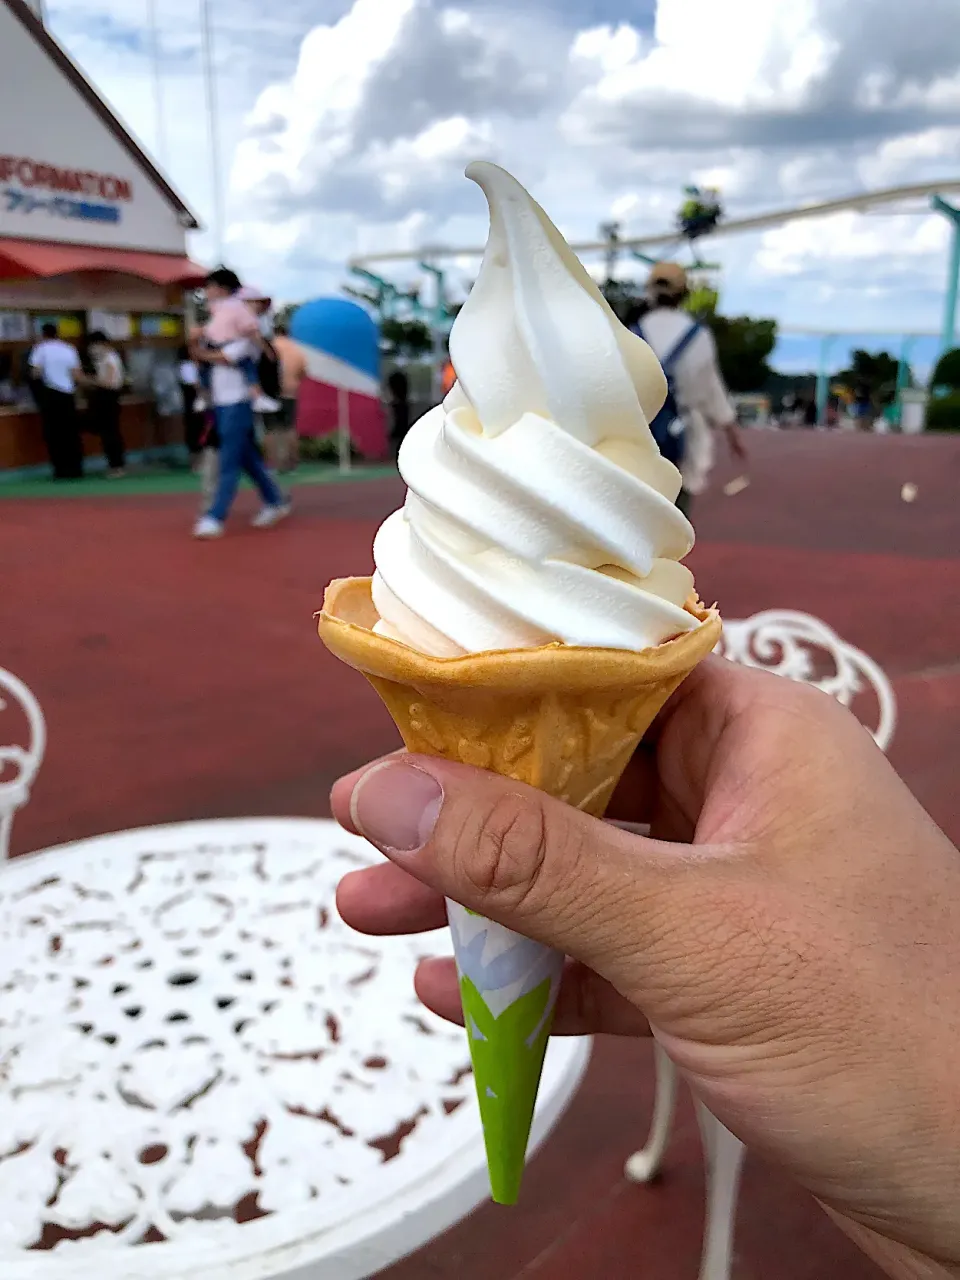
{"points": [[667, 427]]}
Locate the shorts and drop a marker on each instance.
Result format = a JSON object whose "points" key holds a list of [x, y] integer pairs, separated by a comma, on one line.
{"points": [[284, 419]]}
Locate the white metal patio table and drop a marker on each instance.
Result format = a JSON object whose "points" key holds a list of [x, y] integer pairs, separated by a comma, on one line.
{"points": [[190, 1035]]}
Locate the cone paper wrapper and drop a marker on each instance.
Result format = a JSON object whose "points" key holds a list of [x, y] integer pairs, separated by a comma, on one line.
{"points": [[562, 718], [508, 987]]}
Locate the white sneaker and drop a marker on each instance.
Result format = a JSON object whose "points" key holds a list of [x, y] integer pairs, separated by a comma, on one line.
{"points": [[266, 404], [208, 527], [267, 517]]}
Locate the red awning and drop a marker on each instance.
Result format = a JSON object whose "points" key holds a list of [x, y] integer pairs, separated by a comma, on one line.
{"points": [[35, 259]]}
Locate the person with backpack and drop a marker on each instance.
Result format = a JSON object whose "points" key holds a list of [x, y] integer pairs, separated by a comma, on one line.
{"points": [[697, 402]]}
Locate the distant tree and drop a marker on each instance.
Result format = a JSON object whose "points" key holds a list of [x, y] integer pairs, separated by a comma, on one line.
{"points": [[286, 313], [410, 338], [943, 411], [873, 373], [943, 414], [743, 345], [627, 299], [702, 301], [947, 372]]}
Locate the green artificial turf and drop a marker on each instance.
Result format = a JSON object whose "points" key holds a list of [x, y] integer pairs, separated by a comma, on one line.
{"points": [[156, 479]]}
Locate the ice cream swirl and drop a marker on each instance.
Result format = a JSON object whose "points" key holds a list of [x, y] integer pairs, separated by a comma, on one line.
{"points": [[539, 508]]}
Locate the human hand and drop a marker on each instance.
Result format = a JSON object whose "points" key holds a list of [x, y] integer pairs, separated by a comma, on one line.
{"points": [[792, 932]]}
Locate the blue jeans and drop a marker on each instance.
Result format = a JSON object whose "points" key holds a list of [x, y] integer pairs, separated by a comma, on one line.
{"points": [[239, 452]]}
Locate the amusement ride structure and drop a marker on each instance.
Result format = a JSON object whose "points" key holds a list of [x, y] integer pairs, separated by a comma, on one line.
{"points": [[700, 217]]}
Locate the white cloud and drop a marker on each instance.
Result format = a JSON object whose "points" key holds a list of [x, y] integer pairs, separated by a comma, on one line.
{"points": [[734, 56], [348, 124], [850, 239], [912, 157]]}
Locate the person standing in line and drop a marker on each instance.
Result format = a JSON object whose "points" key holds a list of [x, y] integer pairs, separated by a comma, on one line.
{"points": [[188, 376], [199, 430], [103, 394], [862, 408], [283, 443], [54, 366], [398, 386], [448, 376], [698, 401], [234, 420]]}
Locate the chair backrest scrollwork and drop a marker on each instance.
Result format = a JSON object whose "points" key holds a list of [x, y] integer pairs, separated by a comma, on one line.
{"points": [[18, 764], [804, 648]]}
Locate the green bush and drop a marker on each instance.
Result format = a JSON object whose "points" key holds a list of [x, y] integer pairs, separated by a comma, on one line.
{"points": [[943, 414], [319, 449], [947, 372]]}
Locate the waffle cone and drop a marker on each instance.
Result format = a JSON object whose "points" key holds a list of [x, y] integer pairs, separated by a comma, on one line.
{"points": [[561, 718]]}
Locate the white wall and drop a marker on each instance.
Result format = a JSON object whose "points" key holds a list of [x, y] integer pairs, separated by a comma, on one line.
{"points": [[44, 119]]}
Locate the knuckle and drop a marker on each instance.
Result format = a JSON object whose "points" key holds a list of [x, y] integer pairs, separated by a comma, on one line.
{"points": [[507, 857]]}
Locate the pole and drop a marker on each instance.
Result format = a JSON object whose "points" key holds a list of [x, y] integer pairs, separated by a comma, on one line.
{"points": [[903, 377], [157, 81], [823, 378], [343, 429], [213, 125], [948, 333], [438, 324], [611, 253]]}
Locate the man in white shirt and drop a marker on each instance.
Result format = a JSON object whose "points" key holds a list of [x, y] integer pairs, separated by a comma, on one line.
{"points": [[54, 365], [233, 412], [689, 356]]}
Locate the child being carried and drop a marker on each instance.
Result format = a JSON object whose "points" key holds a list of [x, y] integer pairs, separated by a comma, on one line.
{"points": [[232, 320]]}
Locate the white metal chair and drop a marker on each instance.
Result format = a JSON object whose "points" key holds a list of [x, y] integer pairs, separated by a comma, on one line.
{"points": [[802, 648], [23, 761]]}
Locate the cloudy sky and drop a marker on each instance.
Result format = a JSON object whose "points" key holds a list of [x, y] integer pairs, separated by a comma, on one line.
{"points": [[346, 127]]}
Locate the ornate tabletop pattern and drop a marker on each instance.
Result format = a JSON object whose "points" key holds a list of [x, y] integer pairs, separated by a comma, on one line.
{"points": [[189, 1033]]}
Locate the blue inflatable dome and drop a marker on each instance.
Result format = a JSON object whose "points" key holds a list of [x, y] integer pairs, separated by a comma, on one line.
{"points": [[341, 329]]}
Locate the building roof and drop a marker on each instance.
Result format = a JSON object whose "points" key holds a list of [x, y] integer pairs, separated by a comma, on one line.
{"points": [[37, 259], [25, 15]]}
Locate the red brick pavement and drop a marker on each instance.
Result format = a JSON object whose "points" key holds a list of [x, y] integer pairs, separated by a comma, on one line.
{"points": [[184, 680]]}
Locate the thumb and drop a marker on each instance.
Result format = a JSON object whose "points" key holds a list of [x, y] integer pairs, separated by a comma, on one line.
{"points": [[625, 905]]}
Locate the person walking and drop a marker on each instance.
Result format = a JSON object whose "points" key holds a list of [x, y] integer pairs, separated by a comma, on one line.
{"points": [[103, 399], [283, 444], [54, 366], [697, 402], [234, 420]]}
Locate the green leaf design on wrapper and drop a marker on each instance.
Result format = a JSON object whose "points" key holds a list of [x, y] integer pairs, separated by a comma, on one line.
{"points": [[507, 1054]]}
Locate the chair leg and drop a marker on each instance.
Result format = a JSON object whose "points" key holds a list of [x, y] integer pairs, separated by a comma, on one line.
{"points": [[644, 1165], [724, 1160]]}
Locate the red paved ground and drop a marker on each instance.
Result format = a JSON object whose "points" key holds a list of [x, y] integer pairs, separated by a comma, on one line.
{"points": [[184, 680]]}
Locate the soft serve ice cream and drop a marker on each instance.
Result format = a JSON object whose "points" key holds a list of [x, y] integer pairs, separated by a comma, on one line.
{"points": [[531, 580], [539, 508]]}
